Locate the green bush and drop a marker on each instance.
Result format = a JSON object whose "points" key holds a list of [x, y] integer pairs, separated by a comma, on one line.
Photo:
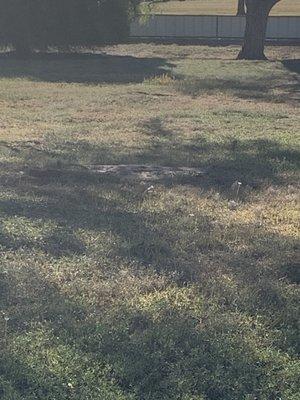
{"points": [[38, 24]]}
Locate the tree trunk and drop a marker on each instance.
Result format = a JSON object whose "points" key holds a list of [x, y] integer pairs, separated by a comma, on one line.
{"points": [[256, 27], [241, 8]]}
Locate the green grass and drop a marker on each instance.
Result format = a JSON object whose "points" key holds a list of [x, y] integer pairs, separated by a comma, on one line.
{"points": [[223, 7], [109, 291]]}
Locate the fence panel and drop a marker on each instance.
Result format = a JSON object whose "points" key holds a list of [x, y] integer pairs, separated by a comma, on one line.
{"points": [[192, 27], [175, 26], [283, 28], [210, 26], [230, 27]]}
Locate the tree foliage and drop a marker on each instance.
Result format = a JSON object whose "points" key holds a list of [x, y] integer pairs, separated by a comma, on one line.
{"points": [[38, 24]]}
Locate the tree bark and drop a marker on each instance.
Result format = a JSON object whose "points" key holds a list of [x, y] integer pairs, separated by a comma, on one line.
{"points": [[241, 8], [256, 27]]}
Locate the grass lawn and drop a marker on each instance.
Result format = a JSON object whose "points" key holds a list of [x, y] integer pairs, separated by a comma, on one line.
{"points": [[284, 7], [178, 289]]}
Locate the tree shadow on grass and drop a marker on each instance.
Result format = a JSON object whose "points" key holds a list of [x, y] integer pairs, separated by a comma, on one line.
{"points": [[59, 242], [150, 349], [64, 198], [292, 65], [67, 200], [255, 162], [86, 68], [255, 280], [264, 89], [153, 346], [251, 90]]}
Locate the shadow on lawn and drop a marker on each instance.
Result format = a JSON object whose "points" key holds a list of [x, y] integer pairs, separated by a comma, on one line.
{"points": [[68, 203], [244, 270], [254, 162], [91, 68], [292, 65], [66, 199], [220, 353], [82, 68], [60, 242], [264, 89], [147, 353]]}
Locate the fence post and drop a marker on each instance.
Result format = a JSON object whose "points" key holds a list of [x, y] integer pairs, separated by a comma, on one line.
{"points": [[217, 27]]}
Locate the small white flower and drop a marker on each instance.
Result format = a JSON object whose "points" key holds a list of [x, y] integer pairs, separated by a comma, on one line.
{"points": [[217, 196], [70, 385], [236, 185], [149, 189]]}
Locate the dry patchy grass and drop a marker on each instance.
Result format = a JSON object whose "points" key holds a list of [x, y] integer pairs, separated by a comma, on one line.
{"points": [[188, 290]]}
